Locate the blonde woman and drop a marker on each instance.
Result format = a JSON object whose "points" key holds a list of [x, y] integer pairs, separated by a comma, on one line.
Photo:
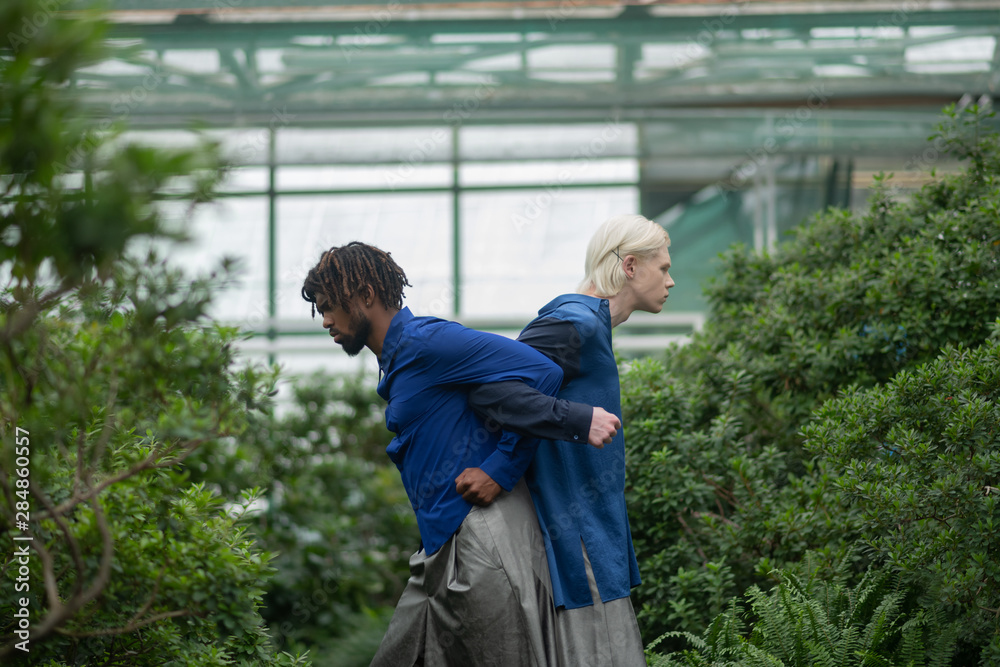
{"points": [[579, 492]]}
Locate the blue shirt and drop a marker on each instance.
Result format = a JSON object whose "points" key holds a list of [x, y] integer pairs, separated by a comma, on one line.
{"points": [[579, 491], [427, 363]]}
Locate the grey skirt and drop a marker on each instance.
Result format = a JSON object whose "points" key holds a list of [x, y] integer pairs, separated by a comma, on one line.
{"points": [[483, 600], [604, 634]]}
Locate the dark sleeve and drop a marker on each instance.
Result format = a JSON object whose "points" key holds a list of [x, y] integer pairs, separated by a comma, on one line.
{"points": [[558, 340], [517, 407]]}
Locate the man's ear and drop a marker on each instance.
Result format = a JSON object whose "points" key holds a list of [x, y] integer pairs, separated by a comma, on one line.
{"points": [[629, 265], [368, 295]]}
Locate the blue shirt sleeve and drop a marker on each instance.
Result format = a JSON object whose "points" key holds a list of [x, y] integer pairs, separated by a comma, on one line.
{"points": [[460, 355], [465, 356], [507, 464]]}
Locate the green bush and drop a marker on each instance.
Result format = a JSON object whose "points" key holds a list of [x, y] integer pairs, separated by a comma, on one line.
{"points": [[721, 489], [815, 622], [920, 462], [130, 563], [111, 376], [918, 458], [335, 513]]}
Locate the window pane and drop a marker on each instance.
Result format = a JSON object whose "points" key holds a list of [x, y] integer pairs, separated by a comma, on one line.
{"points": [[245, 179], [550, 172], [522, 248], [358, 177], [415, 228], [235, 228], [410, 145], [612, 138]]}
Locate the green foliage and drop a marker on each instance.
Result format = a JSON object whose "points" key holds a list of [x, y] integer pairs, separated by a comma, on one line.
{"points": [[823, 624], [111, 376], [920, 459], [335, 512], [721, 489], [45, 143]]}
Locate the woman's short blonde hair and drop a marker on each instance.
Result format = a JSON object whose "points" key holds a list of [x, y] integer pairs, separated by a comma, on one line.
{"points": [[619, 236]]}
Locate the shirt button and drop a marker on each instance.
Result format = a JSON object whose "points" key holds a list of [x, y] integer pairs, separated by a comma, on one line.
{"points": [[605, 302], [576, 437]]}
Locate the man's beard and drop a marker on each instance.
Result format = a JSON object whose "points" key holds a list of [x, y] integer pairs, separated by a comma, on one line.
{"points": [[362, 328]]}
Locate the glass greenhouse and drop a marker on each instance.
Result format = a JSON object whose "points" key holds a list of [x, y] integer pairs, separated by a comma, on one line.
{"points": [[481, 142]]}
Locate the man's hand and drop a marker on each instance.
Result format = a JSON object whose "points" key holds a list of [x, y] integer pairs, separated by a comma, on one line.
{"points": [[477, 487], [603, 427]]}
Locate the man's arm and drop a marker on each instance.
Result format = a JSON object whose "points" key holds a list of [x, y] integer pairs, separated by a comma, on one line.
{"points": [[467, 357], [479, 488], [514, 406], [522, 409]]}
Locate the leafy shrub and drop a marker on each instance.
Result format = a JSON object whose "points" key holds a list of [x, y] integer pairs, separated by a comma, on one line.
{"points": [[111, 375], [131, 563], [721, 489], [335, 512], [920, 460], [815, 622]]}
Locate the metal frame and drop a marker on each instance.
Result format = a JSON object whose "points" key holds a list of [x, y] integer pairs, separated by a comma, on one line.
{"points": [[391, 67], [700, 80]]}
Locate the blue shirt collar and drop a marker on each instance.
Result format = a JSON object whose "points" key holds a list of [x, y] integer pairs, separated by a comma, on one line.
{"points": [[599, 305], [393, 337]]}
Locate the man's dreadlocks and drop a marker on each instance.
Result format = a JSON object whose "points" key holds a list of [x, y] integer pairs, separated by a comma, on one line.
{"points": [[344, 272]]}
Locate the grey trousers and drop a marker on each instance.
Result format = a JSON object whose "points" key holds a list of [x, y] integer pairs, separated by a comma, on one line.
{"points": [[604, 634], [482, 600]]}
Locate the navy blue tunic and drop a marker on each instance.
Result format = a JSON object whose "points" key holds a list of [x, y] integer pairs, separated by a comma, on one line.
{"points": [[579, 491]]}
